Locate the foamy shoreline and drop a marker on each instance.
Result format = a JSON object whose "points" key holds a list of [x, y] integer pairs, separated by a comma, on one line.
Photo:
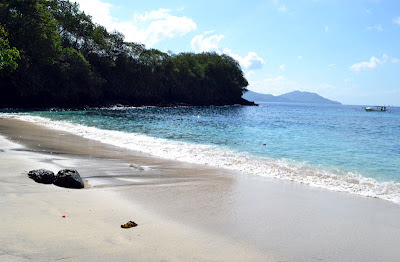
{"points": [[184, 212], [216, 157]]}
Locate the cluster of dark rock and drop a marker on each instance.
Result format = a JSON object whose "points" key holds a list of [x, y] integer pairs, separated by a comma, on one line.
{"points": [[68, 178]]}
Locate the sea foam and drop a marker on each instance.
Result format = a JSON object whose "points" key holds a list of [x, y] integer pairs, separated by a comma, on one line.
{"points": [[218, 156]]}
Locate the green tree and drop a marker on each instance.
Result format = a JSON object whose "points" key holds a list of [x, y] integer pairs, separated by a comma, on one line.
{"points": [[64, 59], [32, 30], [8, 55]]}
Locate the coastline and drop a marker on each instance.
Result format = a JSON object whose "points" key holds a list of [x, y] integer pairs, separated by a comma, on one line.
{"points": [[184, 211], [289, 161]]}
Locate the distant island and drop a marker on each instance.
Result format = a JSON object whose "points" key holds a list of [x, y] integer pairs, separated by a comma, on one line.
{"points": [[292, 97], [54, 55]]}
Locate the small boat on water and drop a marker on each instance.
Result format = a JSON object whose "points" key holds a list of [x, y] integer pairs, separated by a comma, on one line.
{"points": [[376, 108]]}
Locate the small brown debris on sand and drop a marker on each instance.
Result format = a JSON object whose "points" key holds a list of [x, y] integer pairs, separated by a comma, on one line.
{"points": [[129, 224]]}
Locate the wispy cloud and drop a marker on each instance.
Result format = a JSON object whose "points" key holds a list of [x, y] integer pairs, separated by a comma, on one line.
{"points": [[282, 8], [348, 80], [282, 67], [378, 28], [148, 28], [326, 29], [396, 20], [279, 6]]}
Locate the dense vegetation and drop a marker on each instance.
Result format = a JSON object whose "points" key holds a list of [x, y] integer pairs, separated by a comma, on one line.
{"points": [[53, 55]]}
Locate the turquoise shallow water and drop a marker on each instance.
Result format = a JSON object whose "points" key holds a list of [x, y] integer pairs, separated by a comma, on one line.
{"points": [[329, 141]]}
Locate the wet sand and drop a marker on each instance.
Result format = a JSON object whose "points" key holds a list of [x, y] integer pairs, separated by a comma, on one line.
{"points": [[185, 212]]}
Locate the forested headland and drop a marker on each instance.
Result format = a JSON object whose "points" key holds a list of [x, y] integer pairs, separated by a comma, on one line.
{"points": [[54, 55]]}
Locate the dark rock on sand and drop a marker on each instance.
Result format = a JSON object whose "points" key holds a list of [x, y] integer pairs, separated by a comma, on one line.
{"points": [[42, 176], [69, 178]]}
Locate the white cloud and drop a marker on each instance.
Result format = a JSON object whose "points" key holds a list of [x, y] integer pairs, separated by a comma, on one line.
{"points": [[148, 28], [326, 29], [332, 65], [378, 28], [152, 15], [396, 20], [369, 65], [168, 27], [250, 62], [300, 57], [282, 67], [99, 11], [209, 32], [372, 64], [200, 43]]}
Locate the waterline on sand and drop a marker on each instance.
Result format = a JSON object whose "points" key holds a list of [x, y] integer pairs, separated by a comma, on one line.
{"points": [[222, 157]]}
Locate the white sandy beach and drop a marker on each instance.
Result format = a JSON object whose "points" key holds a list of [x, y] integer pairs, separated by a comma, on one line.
{"points": [[33, 227], [184, 212]]}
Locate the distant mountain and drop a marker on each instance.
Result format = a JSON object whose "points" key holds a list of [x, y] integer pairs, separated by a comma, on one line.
{"points": [[253, 96], [292, 97]]}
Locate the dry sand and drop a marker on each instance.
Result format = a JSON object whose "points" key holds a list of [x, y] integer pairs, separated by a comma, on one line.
{"points": [[184, 212]]}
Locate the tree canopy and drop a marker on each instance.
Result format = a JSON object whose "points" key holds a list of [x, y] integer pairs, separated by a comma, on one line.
{"points": [[53, 55], [8, 55]]}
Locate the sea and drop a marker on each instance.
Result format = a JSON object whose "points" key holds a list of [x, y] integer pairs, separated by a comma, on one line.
{"points": [[335, 147]]}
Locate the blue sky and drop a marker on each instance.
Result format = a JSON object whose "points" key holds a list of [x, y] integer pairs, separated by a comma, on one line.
{"points": [[345, 50]]}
